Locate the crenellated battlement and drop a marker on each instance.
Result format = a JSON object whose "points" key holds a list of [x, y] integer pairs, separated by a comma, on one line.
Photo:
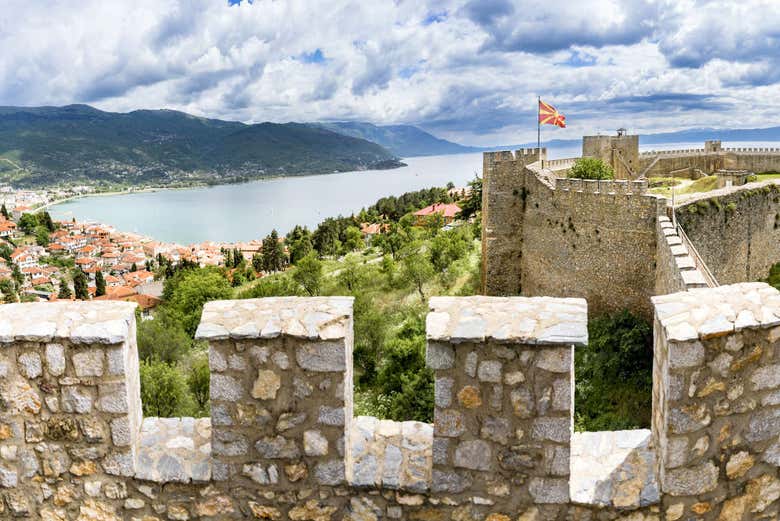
{"points": [[526, 155], [281, 442], [603, 186]]}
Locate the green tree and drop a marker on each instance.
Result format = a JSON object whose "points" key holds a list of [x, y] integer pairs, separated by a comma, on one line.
{"points": [[4, 212], [326, 237], [134, 267], [403, 375], [393, 241], [8, 290], [42, 236], [416, 270], [198, 381], [100, 284], [65, 293], [46, 221], [80, 284], [193, 289], [273, 253], [17, 276], [277, 286], [433, 223], [257, 262], [351, 273], [353, 239], [299, 243], [473, 203], [449, 246], [164, 390], [28, 222], [308, 273], [371, 331], [388, 268], [6, 251], [591, 168], [163, 338], [613, 374]]}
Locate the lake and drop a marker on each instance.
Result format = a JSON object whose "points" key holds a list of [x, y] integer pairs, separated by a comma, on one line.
{"points": [[241, 212]]}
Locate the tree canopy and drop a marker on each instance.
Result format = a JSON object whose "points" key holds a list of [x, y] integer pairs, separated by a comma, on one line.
{"points": [[591, 168]]}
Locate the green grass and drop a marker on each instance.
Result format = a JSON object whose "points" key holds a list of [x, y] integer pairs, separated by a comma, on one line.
{"points": [[765, 176], [658, 182], [704, 184]]}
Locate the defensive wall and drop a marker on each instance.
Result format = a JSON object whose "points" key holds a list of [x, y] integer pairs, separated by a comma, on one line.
{"points": [[705, 161], [546, 235], [611, 242], [281, 442], [736, 230]]}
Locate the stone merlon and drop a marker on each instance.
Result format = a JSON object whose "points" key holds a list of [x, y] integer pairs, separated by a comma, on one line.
{"points": [[324, 318], [709, 312], [527, 320], [79, 322]]}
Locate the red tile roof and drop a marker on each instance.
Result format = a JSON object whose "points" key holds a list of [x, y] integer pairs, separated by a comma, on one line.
{"points": [[448, 210]]}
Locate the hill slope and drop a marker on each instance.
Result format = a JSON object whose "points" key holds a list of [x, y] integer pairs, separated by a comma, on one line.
{"points": [[402, 140], [78, 143]]}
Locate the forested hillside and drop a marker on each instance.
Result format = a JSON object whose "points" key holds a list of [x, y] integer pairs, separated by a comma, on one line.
{"points": [[80, 144]]}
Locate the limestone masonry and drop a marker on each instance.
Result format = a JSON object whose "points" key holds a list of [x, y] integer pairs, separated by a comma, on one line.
{"points": [[282, 443], [606, 241]]}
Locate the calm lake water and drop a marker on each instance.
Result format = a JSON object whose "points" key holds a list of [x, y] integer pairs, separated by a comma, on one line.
{"points": [[241, 212], [248, 211]]}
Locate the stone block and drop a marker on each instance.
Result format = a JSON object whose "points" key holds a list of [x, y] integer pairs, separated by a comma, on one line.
{"points": [[322, 357]]}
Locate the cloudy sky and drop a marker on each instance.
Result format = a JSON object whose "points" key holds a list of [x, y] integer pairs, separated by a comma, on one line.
{"points": [[469, 71]]}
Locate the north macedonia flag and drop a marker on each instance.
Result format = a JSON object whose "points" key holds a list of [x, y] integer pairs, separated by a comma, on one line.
{"points": [[549, 115]]}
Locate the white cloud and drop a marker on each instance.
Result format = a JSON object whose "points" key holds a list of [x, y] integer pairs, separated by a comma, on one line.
{"points": [[466, 70]]}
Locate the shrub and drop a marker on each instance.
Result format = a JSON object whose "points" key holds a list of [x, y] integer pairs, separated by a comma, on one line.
{"points": [[198, 381], [164, 391], [591, 168], [163, 338], [774, 276], [614, 374]]}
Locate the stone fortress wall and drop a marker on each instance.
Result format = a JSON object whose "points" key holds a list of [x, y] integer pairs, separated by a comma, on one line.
{"points": [[606, 241], [736, 230], [281, 442], [705, 161], [543, 234]]}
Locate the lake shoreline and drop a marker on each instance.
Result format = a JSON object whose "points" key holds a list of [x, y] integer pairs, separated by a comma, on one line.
{"points": [[197, 185], [238, 212]]}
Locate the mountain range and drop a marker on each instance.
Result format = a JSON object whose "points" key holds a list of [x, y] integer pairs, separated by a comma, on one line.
{"points": [[409, 141], [77, 143], [48, 146]]}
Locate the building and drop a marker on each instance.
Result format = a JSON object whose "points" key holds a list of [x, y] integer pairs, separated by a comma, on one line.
{"points": [[447, 210]]}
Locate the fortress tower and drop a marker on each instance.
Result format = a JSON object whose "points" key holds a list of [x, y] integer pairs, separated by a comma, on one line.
{"points": [[621, 152]]}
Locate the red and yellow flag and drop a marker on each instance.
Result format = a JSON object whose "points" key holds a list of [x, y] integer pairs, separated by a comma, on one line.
{"points": [[549, 115]]}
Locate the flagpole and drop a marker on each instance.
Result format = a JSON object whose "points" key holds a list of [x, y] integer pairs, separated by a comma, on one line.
{"points": [[539, 130]]}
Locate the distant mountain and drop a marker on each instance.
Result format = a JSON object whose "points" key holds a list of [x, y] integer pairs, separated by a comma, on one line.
{"points": [[410, 141], [693, 135], [401, 140], [702, 134], [78, 143]]}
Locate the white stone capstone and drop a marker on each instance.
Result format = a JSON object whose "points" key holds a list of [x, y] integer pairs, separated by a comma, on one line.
{"points": [[323, 318], [710, 312], [105, 322], [526, 320]]}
